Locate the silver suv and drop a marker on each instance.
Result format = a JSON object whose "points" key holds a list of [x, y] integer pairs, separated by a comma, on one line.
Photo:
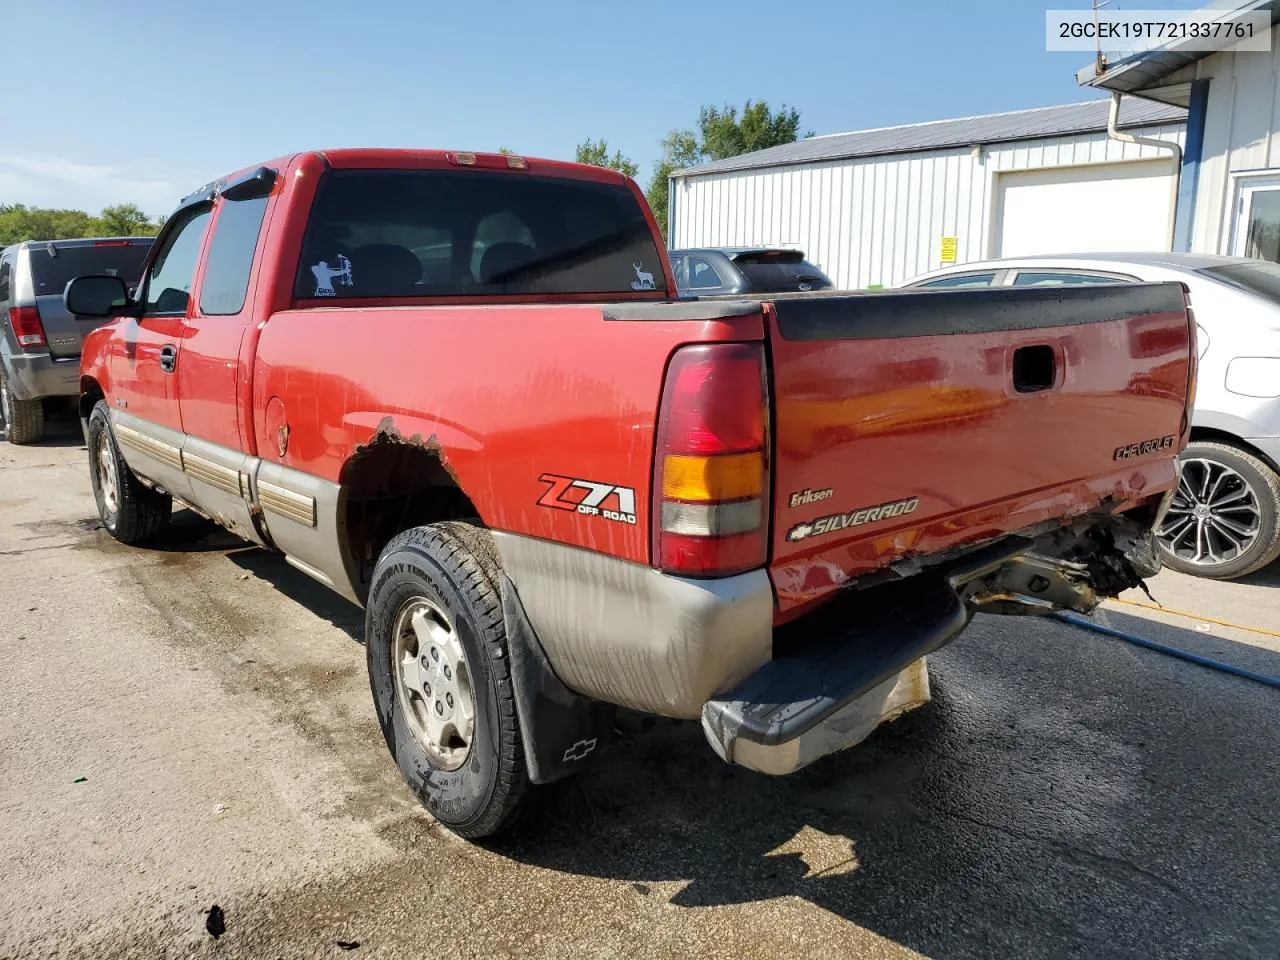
{"points": [[39, 339], [1225, 519]]}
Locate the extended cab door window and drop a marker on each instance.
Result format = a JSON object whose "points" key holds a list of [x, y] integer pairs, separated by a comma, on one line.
{"points": [[484, 233], [230, 259], [169, 279]]}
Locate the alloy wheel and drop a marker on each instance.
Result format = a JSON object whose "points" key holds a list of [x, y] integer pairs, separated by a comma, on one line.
{"points": [[1214, 516]]}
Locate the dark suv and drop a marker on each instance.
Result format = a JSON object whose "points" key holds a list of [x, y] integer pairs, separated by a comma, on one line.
{"points": [[39, 339], [717, 271]]}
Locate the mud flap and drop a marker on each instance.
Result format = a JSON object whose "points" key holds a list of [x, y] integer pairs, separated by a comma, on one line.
{"points": [[560, 729]]}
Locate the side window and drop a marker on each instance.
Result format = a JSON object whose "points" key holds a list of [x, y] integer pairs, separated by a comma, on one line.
{"points": [[702, 274], [230, 259], [963, 280], [4, 280], [168, 282], [1027, 278]]}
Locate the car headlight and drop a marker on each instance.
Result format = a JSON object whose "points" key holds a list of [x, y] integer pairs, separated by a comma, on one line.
{"points": [[1254, 376]]}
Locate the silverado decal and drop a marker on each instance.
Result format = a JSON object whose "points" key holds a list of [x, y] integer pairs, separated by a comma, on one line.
{"points": [[588, 497], [1154, 445], [854, 518]]}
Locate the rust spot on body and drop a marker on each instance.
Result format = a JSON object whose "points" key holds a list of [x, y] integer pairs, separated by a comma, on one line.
{"points": [[386, 433]]}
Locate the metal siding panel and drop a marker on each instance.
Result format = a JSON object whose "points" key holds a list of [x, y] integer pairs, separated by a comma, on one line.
{"points": [[1214, 176], [1273, 141], [866, 222], [964, 188], [879, 183], [927, 220], [979, 215], [840, 223], [1252, 108]]}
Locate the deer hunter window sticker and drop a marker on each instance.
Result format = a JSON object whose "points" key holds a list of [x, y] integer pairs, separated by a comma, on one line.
{"points": [[588, 497], [854, 518]]}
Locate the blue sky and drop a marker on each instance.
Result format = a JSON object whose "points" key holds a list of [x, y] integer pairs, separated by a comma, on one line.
{"points": [[143, 100]]}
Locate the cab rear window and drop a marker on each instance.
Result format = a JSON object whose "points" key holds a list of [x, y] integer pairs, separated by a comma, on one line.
{"points": [[432, 233]]}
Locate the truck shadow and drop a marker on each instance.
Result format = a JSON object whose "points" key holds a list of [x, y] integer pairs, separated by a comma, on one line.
{"points": [[1065, 794]]}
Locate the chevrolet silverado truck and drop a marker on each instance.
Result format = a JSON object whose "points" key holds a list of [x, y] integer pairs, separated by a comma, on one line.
{"points": [[457, 388]]}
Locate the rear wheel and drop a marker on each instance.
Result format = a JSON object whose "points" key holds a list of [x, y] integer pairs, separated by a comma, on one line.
{"points": [[130, 510], [1224, 520], [441, 679], [23, 419]]}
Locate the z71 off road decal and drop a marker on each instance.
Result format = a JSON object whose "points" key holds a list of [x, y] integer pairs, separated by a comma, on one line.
{"points": [[854, 518], [1154, 445], [586, 496]]}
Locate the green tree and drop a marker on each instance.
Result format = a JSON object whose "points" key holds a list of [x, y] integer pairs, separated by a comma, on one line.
{"points": [[725, 135], [596, 153], [19, 222], [721, 133], [125, 220]]}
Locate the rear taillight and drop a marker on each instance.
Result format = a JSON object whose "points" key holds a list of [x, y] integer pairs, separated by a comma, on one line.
{"points": [[711, 482], [27, 326]]}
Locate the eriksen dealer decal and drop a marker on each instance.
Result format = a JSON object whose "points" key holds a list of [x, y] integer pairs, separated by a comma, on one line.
{"points": [[588, 497], [854, 518]]}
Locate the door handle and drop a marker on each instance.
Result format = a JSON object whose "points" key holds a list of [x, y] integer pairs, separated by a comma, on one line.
{"points": [[168, 357]]}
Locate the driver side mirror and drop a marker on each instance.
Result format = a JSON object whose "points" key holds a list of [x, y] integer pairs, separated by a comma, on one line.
{"points": [[96, 296]]}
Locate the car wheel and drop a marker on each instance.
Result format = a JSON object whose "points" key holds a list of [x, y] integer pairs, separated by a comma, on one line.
{"points": [[439, 672], [1224, 519], [23, 419], [130, 510]]}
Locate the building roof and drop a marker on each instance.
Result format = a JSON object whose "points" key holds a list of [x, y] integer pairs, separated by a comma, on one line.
{"points": [[1064, 120], [1147, 71]]}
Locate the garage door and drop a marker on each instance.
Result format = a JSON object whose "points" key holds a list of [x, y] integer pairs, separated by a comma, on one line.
{"points": [[1088, 209]]}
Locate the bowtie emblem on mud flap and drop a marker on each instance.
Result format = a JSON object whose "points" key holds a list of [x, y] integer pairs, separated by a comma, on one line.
{"points": [[580, 750]]}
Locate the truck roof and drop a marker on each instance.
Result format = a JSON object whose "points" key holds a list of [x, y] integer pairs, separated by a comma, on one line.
{"points": [[387, 158]]}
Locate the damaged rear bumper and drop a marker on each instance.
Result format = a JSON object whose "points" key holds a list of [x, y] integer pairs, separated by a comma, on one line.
{"points": [[859, 661]]}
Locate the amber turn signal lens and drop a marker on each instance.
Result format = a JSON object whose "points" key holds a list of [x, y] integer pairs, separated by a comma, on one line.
{"points": [[694, 479]]}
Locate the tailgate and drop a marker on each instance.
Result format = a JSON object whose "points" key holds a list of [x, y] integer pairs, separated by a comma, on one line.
{"points": [[910, 422]]}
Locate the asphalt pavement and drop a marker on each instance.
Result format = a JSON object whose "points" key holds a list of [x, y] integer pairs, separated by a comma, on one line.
{"points": [[190, 724]]}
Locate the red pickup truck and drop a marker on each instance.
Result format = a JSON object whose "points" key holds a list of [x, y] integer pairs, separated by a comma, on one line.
{"points": [[457, 389]]}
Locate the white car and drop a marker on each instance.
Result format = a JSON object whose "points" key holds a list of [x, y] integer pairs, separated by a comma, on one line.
{"points": [[1225, 519]]}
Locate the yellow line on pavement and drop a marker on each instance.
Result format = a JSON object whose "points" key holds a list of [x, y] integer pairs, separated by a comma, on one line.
{"points": [[1196, 616]]}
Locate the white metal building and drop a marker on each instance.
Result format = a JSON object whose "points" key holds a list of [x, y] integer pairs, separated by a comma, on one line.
{"points": [[875, 207], [1229, 195]]}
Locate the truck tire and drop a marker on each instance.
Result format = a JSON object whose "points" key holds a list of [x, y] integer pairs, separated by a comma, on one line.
{"points": [[23, 419], [1224, 521], [131, 511], [441, 680]]}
